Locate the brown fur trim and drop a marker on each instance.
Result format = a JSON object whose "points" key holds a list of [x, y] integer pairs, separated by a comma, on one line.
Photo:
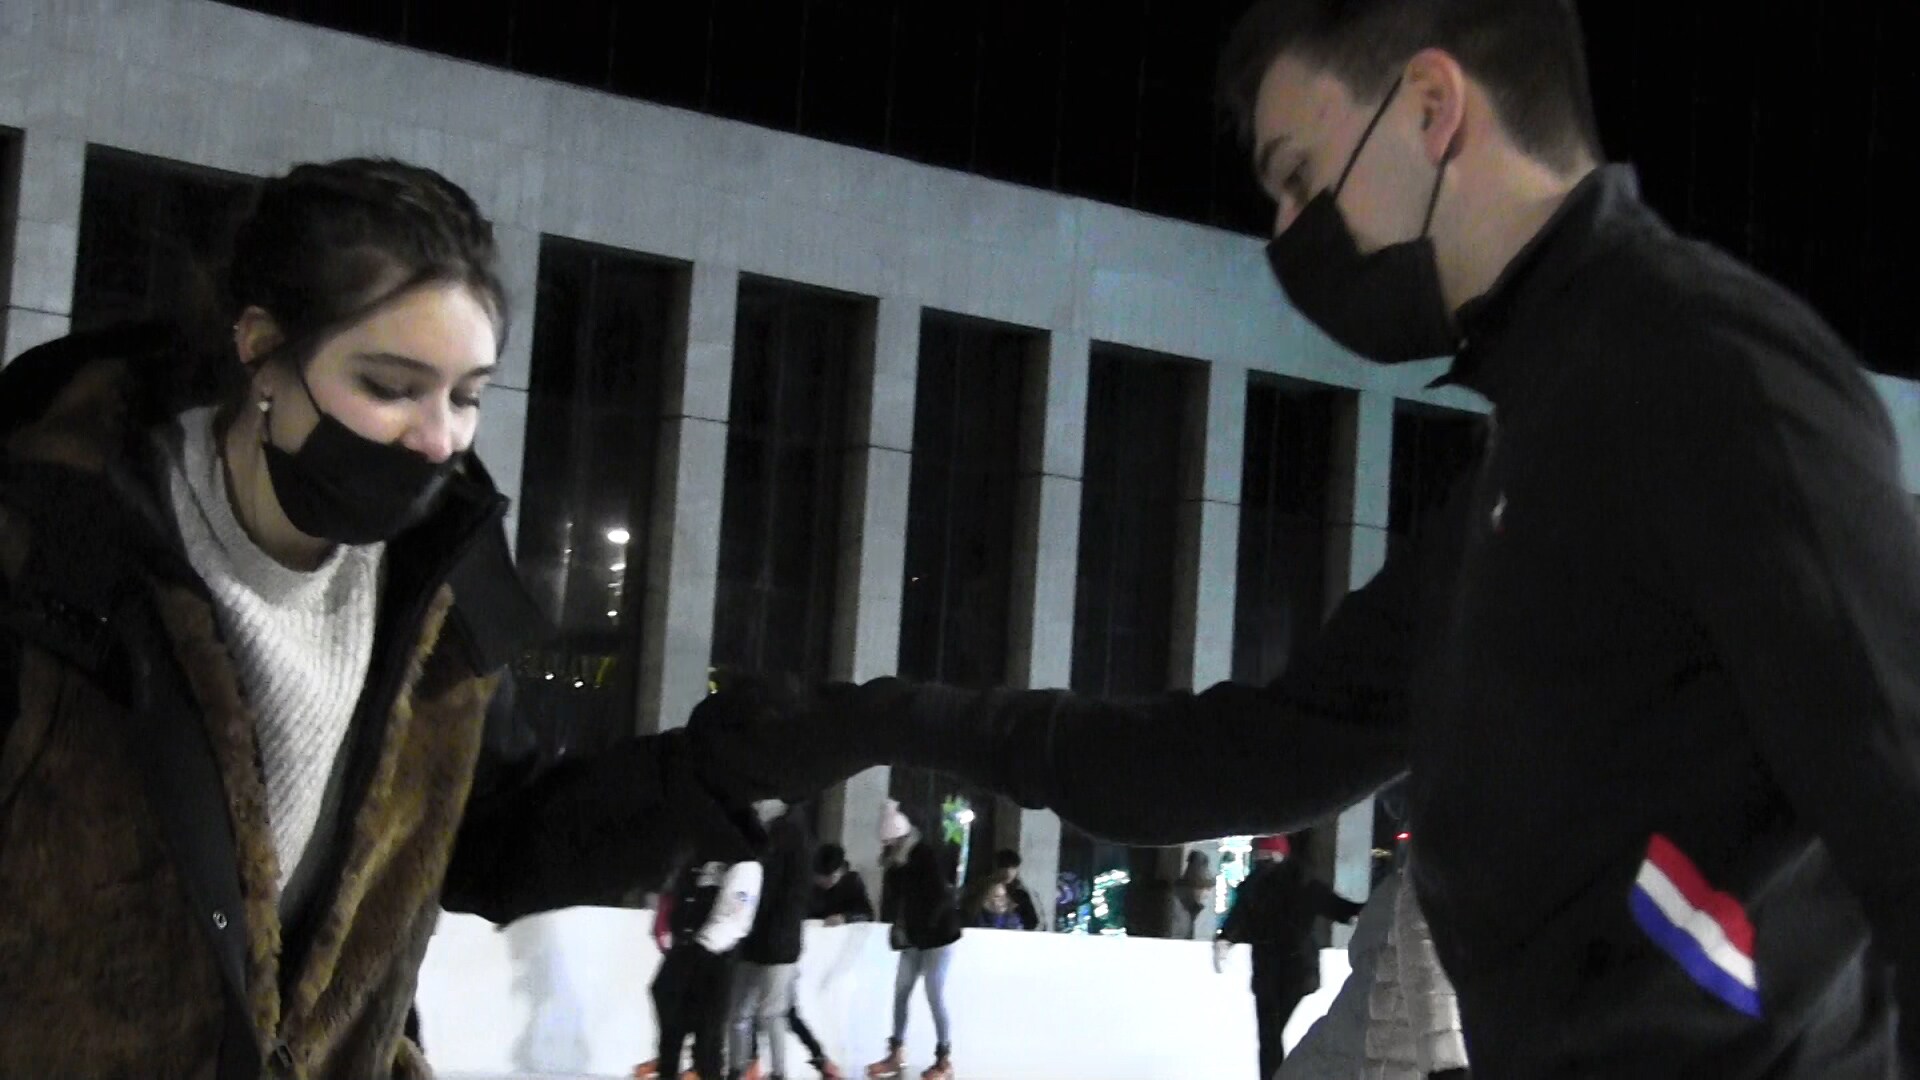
{"points": [[83, 426], [410, 1063], [373, 830], [231, 727], [397, 857]]}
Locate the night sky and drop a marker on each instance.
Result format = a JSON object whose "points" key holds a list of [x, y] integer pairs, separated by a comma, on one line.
{"points": [[1790, 142]]}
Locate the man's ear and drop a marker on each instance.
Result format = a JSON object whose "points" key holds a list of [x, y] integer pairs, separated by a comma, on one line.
{"points": [[1437, 84]]}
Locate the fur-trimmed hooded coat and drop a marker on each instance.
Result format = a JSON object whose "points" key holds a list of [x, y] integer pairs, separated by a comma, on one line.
{"points": [[139, 926]]}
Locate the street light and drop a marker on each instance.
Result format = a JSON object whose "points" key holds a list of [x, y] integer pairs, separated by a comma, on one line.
{"points": [[618, 535]]}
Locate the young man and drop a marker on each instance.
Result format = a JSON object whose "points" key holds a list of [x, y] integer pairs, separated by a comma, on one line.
{"points": [[1275, 911], [839, 894], [1652, 675], [766, 986]]}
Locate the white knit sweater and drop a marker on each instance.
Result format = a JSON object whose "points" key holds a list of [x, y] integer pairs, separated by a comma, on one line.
{"points": [[301, 641]]}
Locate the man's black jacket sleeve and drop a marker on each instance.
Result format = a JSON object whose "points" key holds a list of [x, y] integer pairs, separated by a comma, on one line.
{"points": [[1770, 480], [859, 908], [1023, 903], [541, 834], [1330, 905], [1234, 760]]}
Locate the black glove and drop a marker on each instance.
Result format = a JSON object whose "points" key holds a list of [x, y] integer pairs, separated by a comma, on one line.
{"points": [[758, 739]]}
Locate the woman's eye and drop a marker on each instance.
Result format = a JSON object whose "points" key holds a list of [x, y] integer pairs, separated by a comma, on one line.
{"points": [[466, 401], [384, 392]]}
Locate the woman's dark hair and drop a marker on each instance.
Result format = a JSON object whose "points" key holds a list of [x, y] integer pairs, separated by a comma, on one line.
{"points": [[1529, 54], [328, 244]]}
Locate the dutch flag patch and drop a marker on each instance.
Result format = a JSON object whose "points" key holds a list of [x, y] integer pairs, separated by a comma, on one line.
{"points": [[1706, 932]]}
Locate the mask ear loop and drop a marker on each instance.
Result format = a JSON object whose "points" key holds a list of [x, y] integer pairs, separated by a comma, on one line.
{"points": [[1366, 137], [1433, 201], [314, 337]]}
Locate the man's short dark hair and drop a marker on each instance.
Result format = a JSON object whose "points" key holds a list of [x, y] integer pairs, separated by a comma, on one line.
{"points": [[830, 859], [1529, 54], [1006, 859]]}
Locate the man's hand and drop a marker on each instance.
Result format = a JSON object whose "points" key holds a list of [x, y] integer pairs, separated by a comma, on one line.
{"points": [[764, 738]]}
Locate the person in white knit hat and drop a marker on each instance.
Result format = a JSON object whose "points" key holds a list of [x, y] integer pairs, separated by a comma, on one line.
{"points": [[918, 900]]}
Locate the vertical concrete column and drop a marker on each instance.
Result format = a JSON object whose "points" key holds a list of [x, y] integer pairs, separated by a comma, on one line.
{"points": [[1046, 562], [1206, 559], [683, 552], [1206, 566], [1356, 550], [873, 550], [40, 179], [502, 439]]}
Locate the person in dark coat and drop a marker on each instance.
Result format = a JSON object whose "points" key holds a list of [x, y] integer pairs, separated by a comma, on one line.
{"points": [[918, 902], [1648, 670], [839, 894], [257, 611], [766, 996], [1276, 910]]}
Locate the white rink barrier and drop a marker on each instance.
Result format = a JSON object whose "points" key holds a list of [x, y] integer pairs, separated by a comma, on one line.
{"points": [[566, 993]]}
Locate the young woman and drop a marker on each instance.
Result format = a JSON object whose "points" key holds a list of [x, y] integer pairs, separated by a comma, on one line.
{"points": [[995, 910], [255, 606], [918, 900]]}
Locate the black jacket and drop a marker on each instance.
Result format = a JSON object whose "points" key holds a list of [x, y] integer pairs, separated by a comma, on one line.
{"points": [[1023, 904], [784, 895], [1670, 618], [1275, 910], [919, 901], [847, 900]]}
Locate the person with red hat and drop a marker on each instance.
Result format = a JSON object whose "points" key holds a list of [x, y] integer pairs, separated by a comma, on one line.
{"points": [[1274, 911]]}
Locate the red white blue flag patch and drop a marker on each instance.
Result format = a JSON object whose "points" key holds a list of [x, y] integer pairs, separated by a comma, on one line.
{"points": [[1706, 932]]}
